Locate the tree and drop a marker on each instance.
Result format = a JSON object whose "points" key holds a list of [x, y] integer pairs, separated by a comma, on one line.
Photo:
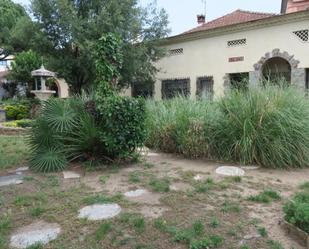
{"points": [[24, 64], [10, 14], [72, 28]]}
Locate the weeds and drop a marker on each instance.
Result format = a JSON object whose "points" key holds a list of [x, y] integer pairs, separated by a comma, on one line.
{"points": [[266, 196], [102, 199], [160, 184], [103, 230]]}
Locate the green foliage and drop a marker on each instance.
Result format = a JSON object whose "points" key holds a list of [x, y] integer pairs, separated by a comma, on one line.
{"points": [[36, 246], [66, 33], [123, 125], [103, 230], [48, 160], [265, 197], [265, 126], [262, 231], [160, 184], [10, 14], [194, 236], [24, 63], [13, 151], [16, 112], [230, 207], [102, 199], [108, 64], [204, 186], [297, 211], [275, 245], [304, 186], [23, 123]]}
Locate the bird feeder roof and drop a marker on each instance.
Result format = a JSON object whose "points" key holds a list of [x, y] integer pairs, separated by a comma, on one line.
{"points": [[42, 72]]}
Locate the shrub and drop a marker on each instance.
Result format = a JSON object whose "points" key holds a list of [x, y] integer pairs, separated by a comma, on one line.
{"points": [[122, 125], [67, 130], [297, 211], [23, 123], [265, 126], [16, 112]]}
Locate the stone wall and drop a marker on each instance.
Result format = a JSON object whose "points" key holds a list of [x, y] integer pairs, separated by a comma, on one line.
{"points": [[13, 131]]}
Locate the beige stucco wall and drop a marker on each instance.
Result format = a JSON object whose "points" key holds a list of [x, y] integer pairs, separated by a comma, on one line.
{"points": [[209, 56]]}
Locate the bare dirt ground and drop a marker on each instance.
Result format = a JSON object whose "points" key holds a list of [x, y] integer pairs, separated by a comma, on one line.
{"points": [[174, 201]]}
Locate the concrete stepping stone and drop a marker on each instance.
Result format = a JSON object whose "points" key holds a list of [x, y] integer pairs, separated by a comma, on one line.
{"points": [[100, 211], [39, 232], [230, 171], [135, 193], [10, 180], [70, 175]]}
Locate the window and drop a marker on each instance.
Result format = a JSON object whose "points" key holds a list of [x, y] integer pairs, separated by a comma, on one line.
{"points": [[239, 81], [238, 42], [205, 87], [144, 90], [174, 87], [176, 51], [303, 35]]}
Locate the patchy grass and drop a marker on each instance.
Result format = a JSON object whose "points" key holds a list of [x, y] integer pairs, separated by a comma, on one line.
{"points": [[103, 199], [160, 184], [304, 186], [211, 215], [103, 230], [104, 179], [135, 177], [204, 186], [13, 151], [266, 196]]}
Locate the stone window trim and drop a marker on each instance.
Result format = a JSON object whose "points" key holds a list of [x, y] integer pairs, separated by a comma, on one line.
{"points": [[302, 35], [237, 42], [176, 51], [297, 74], [276, 53]]}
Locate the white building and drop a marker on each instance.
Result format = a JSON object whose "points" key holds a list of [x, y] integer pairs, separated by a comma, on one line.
{"points": [[218, 55]]}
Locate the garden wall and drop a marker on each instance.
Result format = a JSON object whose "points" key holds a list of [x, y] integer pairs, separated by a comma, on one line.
{"points": [[12, 131]]}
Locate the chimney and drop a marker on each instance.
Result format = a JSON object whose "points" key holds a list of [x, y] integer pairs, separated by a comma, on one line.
{"points": [[201, 19]]}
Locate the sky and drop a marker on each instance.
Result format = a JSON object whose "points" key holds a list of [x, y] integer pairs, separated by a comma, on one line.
{"points": [[182, 13]]}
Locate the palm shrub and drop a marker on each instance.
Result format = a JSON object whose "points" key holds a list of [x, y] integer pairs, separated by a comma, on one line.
{"points": [[91, 127]]}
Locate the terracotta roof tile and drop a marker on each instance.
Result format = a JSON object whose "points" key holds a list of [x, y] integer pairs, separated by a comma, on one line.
{"points": [[236, 17]]}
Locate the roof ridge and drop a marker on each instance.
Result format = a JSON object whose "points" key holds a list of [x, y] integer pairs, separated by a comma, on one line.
{"points": [[256, 12]]}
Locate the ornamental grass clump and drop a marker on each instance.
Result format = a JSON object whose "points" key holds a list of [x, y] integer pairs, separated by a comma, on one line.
{"points": [[267, 126], [181, 125]]}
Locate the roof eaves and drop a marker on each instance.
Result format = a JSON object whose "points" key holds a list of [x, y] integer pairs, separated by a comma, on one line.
{"points": [[235, 27]]}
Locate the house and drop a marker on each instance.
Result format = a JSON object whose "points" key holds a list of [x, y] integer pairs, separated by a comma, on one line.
{"points": [[233, 50], [5, 66]]}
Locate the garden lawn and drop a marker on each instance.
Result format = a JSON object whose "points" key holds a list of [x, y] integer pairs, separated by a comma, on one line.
{"points": [[13, 151], [177, 211]]}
